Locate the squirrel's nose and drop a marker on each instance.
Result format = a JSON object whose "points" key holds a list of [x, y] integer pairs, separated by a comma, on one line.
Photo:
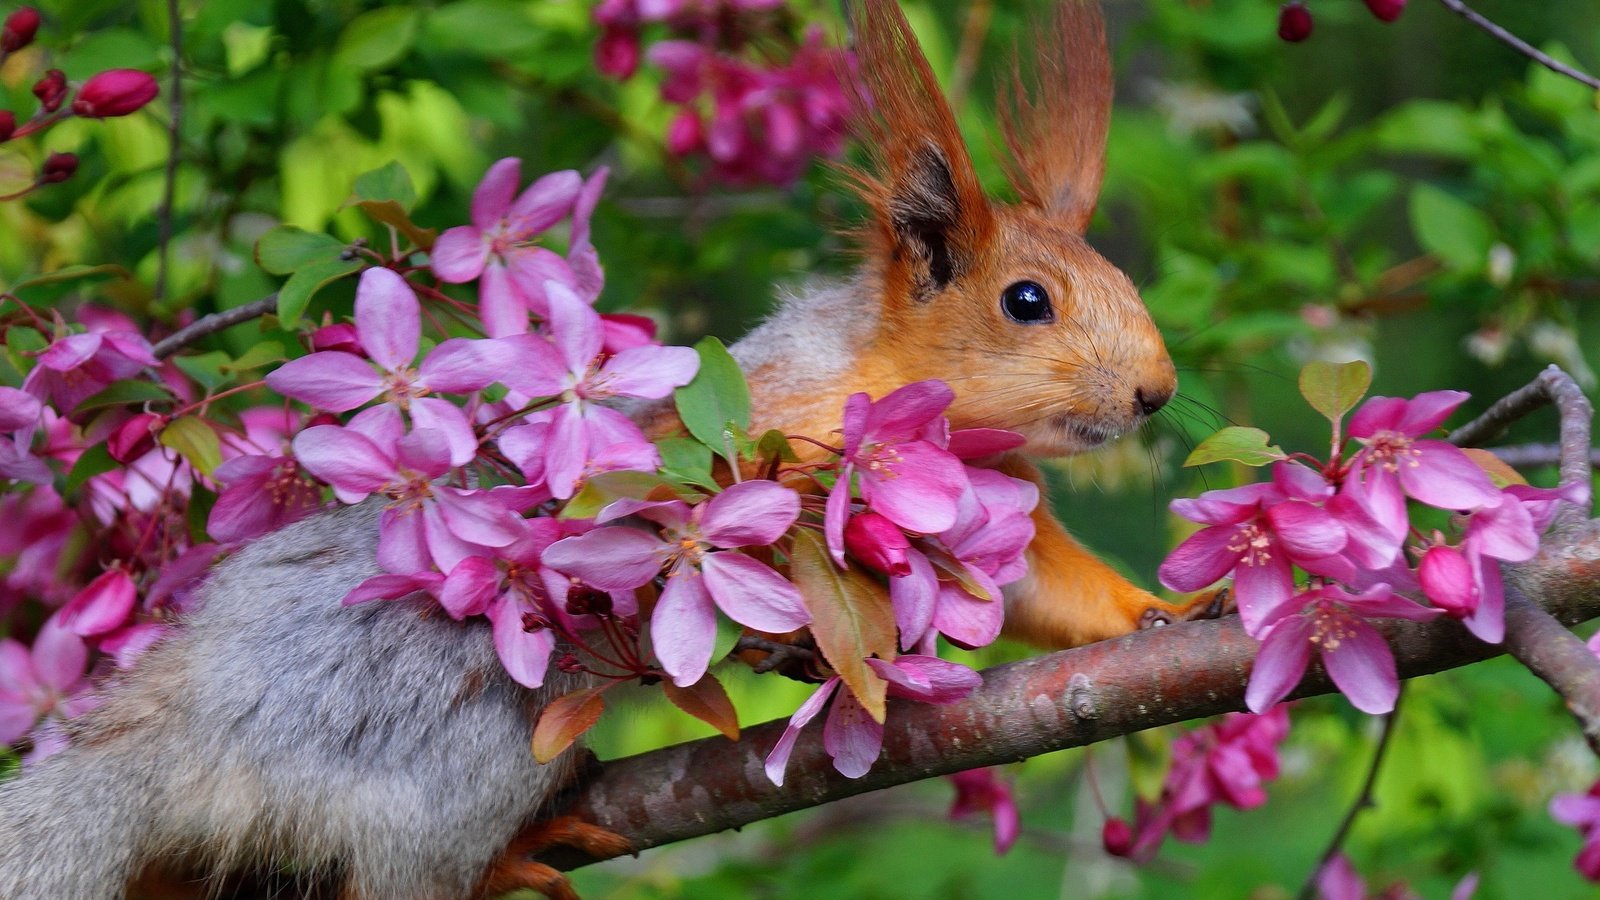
{"points": [[1149, 401]]}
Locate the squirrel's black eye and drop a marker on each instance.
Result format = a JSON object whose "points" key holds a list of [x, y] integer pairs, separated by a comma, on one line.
{"points": [[1028, 303]]}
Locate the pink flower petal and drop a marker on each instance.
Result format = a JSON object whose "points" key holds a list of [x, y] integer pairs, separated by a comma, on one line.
{"points": [[1377, 414], [1361, 665], [1443, 476], [60, 657], [388, 318], [492, 198], [752, 513], [575, 327], [1261, 589], [1505, 532], [477, 518], [683, 627], [329, 380], [920, 490], [547, 201], [425, 452], [913, 597], [836, 513], [975, 443], [649, 372], [778, 760], [1306, 530], [1226, 507], [531, 268], [525, 654], [403, 542], [1338, 880], [1488, 622], [851, 736], [459, 255], [1280, 663], [857, 407], [343, 458], [965, 619], [614, 558], [500, 305], [906, 409], [18, 410], [448, 421], [752, 593], [461, 366], [1426, 412], [566, 450], [101, 607], [928, 679], [393, 587], [1448, 580], [1201, 560]]}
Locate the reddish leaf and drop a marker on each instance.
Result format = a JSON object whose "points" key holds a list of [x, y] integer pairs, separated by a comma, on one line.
{"points": [[707, 701], [565, 720], [852, 618], [1501, 474]]}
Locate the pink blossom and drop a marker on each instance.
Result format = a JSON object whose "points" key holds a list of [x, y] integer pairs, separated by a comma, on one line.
{"points": [[570, 366], [1582, 811], [1258, 533], [1395, 462], [44, 682], [911, 481], [1332, 621], [424, 521], [498, 247], [703, 572], [982, 790], [114, 92], [20, 415], [851, 736], [103, 606], [1339, 880], [77, 366], [261, 494], [389, 324], [878, 544]]}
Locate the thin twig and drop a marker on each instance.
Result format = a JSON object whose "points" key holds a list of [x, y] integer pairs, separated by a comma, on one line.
{"points": [[1558, 657], [1518, 44], [1524, 456], [1363, 800], [174, 120], [212, 324]]}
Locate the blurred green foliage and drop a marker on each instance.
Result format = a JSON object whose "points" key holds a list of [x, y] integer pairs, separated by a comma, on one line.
{"points": [[1412, 194]]}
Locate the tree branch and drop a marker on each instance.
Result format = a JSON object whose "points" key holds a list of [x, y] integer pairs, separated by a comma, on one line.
{"points": [[1023, 709], [1522, 456], [1518, 44], [213, 323]]}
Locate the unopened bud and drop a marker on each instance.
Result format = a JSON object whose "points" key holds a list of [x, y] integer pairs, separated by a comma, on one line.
{"points": [[878, 544], [322, 419], [19, 29], [8, 125], [1448, 581], [583, 600], [1386, 10], [1117, 837], [341, 336], [617, 53], [58, 167], [51, 90], [1294, 22], [135, 438], [114, 92], [569, 664], [685, 134], [533, 623]]}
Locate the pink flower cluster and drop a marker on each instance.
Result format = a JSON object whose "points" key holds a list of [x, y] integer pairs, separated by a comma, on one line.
{"points": [[1226, 762], [1345, 523], [757, 119]]}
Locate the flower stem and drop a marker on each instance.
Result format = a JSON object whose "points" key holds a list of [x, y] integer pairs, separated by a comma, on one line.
{"points": [[1363, 800]]}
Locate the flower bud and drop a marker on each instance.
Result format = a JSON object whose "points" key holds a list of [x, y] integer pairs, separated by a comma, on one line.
{"points": [[878, 543], [1447, 580], [322, 419], [114, 92], [685, 134], [1117, 837], [583, 600], [51, 90], [534, 623], [617, 53], [340, 336], [8, 125], [1386, 10], [58, 167], [1294, 22], [19, 29], [135, 438]]}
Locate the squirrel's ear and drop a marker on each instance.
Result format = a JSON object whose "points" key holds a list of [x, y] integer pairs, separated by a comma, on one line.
{"points": [[1057, 136], [931, 211]]}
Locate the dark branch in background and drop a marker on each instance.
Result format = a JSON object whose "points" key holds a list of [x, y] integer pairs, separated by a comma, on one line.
{"points": [[1141, 681], [1518, 44], [174, 149], [213, 323], [1363, 800], [1525, 456]]}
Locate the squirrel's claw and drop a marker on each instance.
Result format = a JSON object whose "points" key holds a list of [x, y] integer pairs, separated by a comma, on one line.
{"points": [[1210, 605], [514, 871]]}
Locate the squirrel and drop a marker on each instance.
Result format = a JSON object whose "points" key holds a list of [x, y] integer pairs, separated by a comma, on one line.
{"points": [[386, 751]]}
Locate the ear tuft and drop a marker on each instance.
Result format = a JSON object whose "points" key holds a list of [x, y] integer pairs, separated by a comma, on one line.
{"points": [[1057, 135], [925, 210]]}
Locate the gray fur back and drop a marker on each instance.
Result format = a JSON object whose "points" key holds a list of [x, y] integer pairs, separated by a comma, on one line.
{"points": [[277, 726]]}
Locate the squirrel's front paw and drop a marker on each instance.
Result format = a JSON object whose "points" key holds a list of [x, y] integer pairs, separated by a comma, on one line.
{"points": [[1212, 604]]}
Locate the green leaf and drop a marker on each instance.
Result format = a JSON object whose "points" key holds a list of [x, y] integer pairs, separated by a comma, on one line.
{"points": [[1334, 389], [1236, 444], [774, 445], [260, 354], [297, 292], [851, 618], [286, 249], [73, 273], [94, 461], [195, 441], [707, 701], [686, 460], [715, 406], [1450, 228], [391, 182], [565, 720], [123, 393], [376, 39], [206, 368], [607, 488]]}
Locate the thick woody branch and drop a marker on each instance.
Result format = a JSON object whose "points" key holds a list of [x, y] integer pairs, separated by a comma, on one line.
{"points": [[1067, 699]]}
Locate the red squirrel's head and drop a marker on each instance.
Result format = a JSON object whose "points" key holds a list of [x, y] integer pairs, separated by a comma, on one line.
{"points": [[1034, 330]]}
